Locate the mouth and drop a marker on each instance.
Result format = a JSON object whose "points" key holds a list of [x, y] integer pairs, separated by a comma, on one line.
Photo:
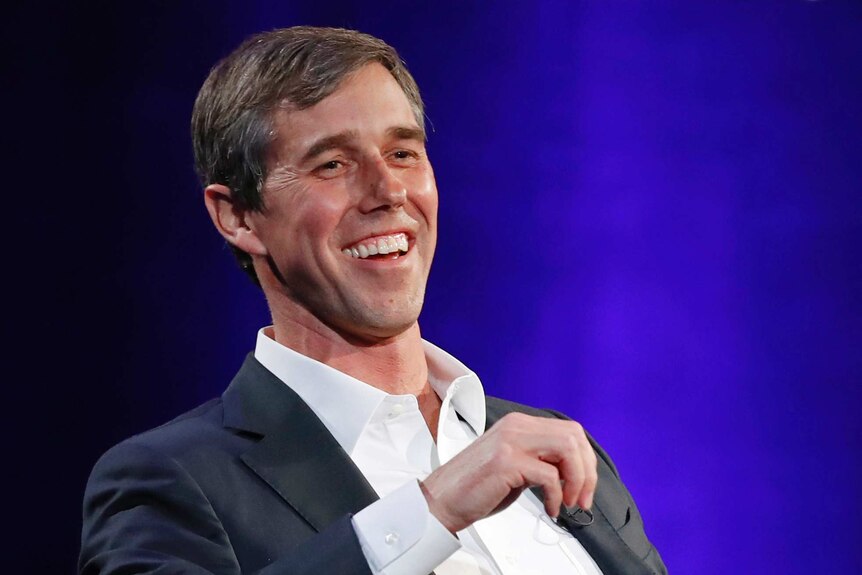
{"points": [[383, 247]]}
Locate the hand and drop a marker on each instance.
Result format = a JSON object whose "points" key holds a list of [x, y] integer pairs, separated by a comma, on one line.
{"points": [[520, 451]]}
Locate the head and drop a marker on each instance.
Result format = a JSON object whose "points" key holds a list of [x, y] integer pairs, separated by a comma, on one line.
{"points": [[292, 68], [311, 145]]}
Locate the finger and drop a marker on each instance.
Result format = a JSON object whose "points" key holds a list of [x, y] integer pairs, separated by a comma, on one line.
{"points": [[572, 472], [590, 473], [561, 443], [545, 475], [543, 435], [564, 444], [579, 470]]}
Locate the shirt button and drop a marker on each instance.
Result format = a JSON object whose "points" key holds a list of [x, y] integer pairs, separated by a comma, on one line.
{"points": [[391, 538], [512, 559], [396, 410]]}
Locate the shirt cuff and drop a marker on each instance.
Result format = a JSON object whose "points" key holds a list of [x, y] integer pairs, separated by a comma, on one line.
{"points": [[400, 536]]}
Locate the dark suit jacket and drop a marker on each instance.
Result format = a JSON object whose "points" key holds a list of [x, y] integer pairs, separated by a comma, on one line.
{"points": [[254, 483]]}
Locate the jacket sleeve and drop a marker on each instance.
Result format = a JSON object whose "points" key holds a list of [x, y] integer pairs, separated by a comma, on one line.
{"points": [[143, 513]]}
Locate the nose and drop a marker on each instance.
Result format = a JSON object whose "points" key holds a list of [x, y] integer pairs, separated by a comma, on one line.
{"points": [[384, 189]]}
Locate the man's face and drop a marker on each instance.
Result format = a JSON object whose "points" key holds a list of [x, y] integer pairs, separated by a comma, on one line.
{"points": [[349, 177]]}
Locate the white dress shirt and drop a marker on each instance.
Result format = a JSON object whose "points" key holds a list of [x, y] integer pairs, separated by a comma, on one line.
{"points": [[388, 440]]}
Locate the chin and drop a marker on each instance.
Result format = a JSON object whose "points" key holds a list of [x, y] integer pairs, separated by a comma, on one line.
{"points": [[381, 322]]}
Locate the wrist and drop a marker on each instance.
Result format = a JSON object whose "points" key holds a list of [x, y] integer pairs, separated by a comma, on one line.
{"points": [[438, 510]]}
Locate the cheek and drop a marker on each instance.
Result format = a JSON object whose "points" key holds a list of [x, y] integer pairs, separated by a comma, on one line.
{"points": [[313, 216], [323, 216], [425, 195]]}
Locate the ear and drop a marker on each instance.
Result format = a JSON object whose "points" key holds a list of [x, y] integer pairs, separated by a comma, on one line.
{"points": [[231, 220]]}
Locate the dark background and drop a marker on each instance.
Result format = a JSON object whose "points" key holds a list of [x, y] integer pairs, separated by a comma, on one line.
{"points": [[650, 219]]}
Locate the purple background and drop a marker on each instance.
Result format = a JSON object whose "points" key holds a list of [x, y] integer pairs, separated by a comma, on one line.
{"points": [[651, 218]]}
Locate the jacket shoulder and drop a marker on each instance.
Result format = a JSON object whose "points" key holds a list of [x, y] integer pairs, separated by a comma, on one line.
{"points": [[187, 441], [497, 407]]}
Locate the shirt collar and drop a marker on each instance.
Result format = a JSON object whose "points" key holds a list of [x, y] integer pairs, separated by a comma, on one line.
{"points": [[448, 376], [345, 404]]}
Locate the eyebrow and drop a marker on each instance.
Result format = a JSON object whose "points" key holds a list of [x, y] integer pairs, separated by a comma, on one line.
{"points": [[407, 133], [340, 140], [345, 140]]}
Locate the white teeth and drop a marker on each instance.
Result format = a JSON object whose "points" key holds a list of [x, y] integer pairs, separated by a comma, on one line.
{"points": [[380, 245]]}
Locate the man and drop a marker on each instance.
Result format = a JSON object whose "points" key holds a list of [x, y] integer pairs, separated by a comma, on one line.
{"points": [[346, 444]]}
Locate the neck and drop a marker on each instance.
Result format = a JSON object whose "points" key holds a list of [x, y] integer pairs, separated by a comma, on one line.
{"points": [[394, 364]]}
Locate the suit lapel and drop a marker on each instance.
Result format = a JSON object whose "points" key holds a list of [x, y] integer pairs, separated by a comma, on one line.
{"points": [[296, 455]]}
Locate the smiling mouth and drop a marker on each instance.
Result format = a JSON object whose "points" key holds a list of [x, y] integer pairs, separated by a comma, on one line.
{"points": [[380, 247]]}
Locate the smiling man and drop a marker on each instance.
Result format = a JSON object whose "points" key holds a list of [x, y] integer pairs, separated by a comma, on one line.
{"points": [[346, 443]]}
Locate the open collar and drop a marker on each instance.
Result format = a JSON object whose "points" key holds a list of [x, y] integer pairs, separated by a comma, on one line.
{"points": [[345, 404]]}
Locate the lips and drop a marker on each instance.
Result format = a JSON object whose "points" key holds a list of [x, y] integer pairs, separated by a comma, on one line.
{"points": [[378, 245]]}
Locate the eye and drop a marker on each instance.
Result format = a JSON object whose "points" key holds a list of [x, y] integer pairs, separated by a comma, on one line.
{"points": [[330, 168], [330, 165], [404, 157]]}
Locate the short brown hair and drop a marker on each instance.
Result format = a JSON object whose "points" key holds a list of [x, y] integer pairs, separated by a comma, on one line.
{"points": [[232, 117]]}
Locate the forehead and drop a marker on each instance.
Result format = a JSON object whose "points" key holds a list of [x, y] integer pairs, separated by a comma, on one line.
{"points": [[368, 103]]}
